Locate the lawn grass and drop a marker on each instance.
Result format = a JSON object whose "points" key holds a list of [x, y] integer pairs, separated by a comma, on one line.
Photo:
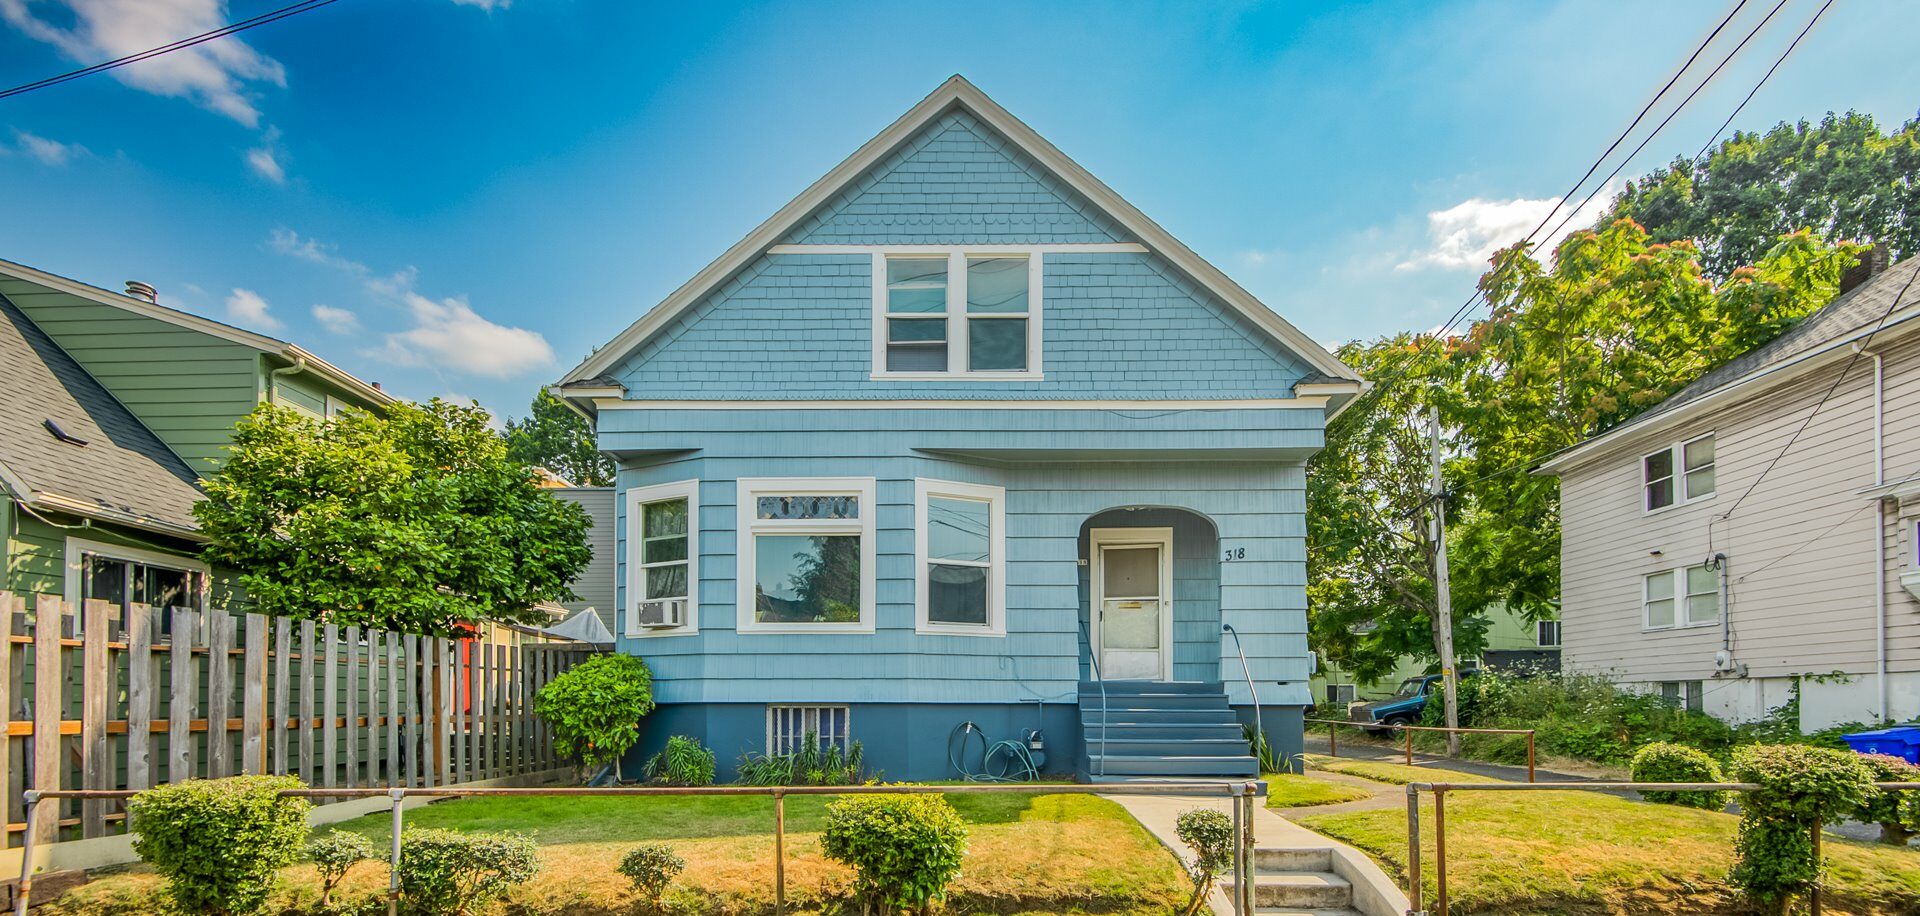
{"points": [[1303, 790], [1049, 854], [1398, 774], [1582, 853]]}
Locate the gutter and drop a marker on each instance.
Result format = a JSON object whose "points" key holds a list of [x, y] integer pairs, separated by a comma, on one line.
{"points": [[1879, 565]]}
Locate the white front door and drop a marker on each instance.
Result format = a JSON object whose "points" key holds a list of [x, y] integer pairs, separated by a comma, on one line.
{"points": [[1132, 583]]}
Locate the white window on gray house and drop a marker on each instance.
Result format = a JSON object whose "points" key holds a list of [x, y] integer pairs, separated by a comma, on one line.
{"points": [[960, 549], [806, 555], [959, 314], [1685, 597], [662, 558], [1680, 473], [790, 727], [1697, 463], [1703, 595], [1657, 476], [1547, 634]]}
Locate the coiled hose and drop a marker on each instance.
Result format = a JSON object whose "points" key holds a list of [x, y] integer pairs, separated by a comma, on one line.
{"points": [[1015, 763]]}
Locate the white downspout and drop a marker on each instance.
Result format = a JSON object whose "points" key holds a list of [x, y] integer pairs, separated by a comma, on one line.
{"points": [[1879, 535]]}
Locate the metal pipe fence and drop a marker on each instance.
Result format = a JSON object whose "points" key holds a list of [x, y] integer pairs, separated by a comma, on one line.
{"points": [[1242, 794], [1333, 741], [1415, 889]]}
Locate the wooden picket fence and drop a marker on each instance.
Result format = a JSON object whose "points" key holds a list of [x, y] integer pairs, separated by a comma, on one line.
{"points": [[150, 695]]}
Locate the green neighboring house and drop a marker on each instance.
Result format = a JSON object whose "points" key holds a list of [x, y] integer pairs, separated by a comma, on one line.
{"points": [[1513, 642], [114, 407]]}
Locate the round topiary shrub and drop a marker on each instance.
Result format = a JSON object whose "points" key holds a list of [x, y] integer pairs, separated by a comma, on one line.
{"points": [[1663, 762], [652, 868], [445, 873], [595, 708], [334, 855], [1209, 834], [904, 849], [1799, 789], [220, 843]]}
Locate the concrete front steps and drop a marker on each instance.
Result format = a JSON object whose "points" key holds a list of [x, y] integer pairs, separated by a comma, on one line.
{"points": [[1161, 729], [1298, 882]]}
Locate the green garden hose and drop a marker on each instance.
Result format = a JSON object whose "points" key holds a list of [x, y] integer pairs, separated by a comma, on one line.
{"points": [[1016, 763]]}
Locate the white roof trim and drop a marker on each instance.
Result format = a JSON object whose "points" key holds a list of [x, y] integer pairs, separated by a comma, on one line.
{"points": [[1308, 402], [957, 91], [208, 326]]}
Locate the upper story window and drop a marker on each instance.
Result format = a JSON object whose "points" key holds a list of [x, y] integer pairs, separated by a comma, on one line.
{"points": [[1687, 597], [960, 548], [957, 314], [1680, 473], [806, 555], [662, 559]]}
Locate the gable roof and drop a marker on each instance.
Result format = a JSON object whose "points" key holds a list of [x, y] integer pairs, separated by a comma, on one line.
{"points": [[955, 92], [1825, 333], [123, 473], [291, 353]]}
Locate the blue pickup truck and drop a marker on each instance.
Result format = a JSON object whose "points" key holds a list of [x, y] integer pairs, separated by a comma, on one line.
{"points": [[1405, 706]]}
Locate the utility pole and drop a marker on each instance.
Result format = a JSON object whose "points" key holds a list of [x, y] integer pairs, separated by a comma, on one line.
{"points": [[1443, 598]]}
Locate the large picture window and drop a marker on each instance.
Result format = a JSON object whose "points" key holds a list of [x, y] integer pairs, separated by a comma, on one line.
{"points": [[663, 559], [960, 552], [806, 555], [957, 313]]}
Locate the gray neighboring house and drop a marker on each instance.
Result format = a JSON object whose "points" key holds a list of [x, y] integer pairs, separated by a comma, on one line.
{"points": [[1761, 527], [594, 587]]}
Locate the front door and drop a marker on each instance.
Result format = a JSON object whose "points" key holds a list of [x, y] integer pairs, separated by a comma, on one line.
{"points": [[1132, 583]]}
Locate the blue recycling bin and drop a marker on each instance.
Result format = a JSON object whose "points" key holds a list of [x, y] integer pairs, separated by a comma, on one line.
{"points": [[1902, 741]]}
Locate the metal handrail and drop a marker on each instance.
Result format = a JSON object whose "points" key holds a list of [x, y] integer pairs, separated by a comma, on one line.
{"points": [[1093, 662], [1406, 731], [1259, 723]]}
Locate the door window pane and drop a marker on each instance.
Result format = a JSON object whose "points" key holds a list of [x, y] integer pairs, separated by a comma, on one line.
{"points": [[997, 344], [807, 578], [997, 286], [1131, 572], [957, 594], [916, 285], [958, 529]]}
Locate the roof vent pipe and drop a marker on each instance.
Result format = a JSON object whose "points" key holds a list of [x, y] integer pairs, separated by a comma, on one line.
{"points": [[139, 290]]}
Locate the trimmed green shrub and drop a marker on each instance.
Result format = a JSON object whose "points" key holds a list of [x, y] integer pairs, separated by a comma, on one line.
{"points": [[446, 873], [1897, 812], [1209, 834], [1664, 762], [652, 868], [334, 855], [220, 843], [683, 763], [1800, 789], [595, 708], [904, 849], [809, 766]]}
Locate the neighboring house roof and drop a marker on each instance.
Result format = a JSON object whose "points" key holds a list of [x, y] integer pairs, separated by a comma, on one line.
{"points": [[955, 92], [291, 353], [1821, 335], [123, 473]]}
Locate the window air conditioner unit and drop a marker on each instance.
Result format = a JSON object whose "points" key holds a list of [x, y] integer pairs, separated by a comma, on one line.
{"points": [[661, 614]]}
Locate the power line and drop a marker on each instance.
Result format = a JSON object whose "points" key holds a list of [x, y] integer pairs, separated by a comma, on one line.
{"points": [[1763, 80], [221, 32]]}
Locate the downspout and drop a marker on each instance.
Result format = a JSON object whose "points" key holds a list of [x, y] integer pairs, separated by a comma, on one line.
{"points": [[1880, 536], [274, 377]]}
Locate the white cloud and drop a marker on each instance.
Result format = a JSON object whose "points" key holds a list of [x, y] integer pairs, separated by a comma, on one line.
{"points": [[1467, 234], [337, 320], [49, 152], [488, 5], [449, 333], [246, 307], [294, 245], [264, 163], [217, 75]]}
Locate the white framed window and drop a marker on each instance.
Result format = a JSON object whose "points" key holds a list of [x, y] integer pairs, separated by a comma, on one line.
{"points": [[1684, 597], [958, 313], [1678, 474], [1547, 634], [806, 554], [789, 726], [126, 576], [1341, 694], [663, 559], [960, 557], [1688, 695]]}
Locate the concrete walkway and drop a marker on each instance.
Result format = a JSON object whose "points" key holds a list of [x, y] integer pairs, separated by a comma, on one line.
{"points": [[1374, 893]]}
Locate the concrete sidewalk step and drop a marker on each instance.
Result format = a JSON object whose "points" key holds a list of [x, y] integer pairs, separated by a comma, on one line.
{"points": [[1289, 911], [1299, 889], [1268, 859]]}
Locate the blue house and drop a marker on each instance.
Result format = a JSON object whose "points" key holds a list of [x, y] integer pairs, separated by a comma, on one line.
{"points": [[959, 435]]}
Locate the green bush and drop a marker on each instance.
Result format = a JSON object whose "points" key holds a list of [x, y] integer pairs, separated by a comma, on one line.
{"points": [[1210, 835], [595, 708], [1897, 812], [1664, 762], [904, 849], [334, 855], [651, 868], [683, 763], [1799, 789], [445, 873], [811, 765], [220, 843]]}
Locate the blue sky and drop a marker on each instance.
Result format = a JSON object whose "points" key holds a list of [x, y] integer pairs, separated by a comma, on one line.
{"points": [[463, 198]]}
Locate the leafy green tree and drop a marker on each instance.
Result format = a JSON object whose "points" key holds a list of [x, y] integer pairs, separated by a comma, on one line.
{"points": [[1842, 178], [552, 436], [412, 520], [594, 709]]}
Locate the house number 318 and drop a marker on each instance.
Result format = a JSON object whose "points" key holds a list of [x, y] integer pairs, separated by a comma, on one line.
{"points": [[1234, 553]]}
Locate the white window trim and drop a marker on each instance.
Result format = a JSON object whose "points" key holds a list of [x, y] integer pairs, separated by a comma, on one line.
{"points": [[957, 315], [1558, 632], [1681, 619], [637, 497], [1678, 451], [75, 566], [747, 491], [846, 717], [996, 499]]}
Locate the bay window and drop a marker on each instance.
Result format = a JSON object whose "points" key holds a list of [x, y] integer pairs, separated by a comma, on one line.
{"points": [[806, 555]]}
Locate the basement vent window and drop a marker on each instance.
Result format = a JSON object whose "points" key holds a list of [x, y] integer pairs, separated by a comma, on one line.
{"points": [[789, 728]]}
